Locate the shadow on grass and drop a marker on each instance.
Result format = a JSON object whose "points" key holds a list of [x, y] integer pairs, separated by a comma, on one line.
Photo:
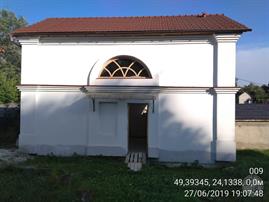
{"points": [[80, 178]]}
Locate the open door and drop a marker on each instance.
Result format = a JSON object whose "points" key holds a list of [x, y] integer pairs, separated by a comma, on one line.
{"points": [[138, 127]]}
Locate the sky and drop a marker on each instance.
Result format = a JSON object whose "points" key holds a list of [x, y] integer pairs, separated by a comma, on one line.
{"points": [[252, 47]]}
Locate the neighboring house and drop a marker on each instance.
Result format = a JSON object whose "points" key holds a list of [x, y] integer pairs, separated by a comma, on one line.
{"points": [[252, 126], [244, 98], [108, 86]]}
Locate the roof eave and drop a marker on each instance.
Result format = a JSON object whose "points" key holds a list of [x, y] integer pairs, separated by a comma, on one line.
{"points": [[131, 33]]}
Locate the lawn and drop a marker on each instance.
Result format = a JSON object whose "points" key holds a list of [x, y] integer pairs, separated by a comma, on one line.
{"points": [[108, 179]]}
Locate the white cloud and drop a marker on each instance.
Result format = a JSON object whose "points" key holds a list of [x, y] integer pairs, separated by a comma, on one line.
{"points": [[253, 64]]}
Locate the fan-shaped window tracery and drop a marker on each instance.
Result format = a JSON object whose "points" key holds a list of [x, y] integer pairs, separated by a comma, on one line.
{"points": [[125, 67]]}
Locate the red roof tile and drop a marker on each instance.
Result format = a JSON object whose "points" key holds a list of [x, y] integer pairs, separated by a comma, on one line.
{"points": [[204, 23]]}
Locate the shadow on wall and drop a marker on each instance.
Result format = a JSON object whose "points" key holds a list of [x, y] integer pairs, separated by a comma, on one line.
{"points": [[57, 116], [63, 119], [9, 124], [184, 137]]}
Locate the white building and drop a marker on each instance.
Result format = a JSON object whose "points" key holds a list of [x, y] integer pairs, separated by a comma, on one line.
{"points": [[106, 86], [244, 98]]}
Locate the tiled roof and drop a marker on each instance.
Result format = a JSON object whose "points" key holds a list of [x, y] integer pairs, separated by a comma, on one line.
{"points": [[252, 112], [193, 24]]}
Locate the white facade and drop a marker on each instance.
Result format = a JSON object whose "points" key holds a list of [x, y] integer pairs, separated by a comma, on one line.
{"points": [[67, 109], [244, 98]]}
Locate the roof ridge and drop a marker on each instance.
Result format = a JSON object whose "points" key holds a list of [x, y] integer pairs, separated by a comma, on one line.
{"points": [[142, 16]]}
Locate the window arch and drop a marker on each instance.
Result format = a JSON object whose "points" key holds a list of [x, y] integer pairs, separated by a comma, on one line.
{"points": [[124, 67]]}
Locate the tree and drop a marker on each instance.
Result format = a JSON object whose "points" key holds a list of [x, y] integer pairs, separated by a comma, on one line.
{"points": [[10, 57], [259, 94], [8, 90], [266, 88]]}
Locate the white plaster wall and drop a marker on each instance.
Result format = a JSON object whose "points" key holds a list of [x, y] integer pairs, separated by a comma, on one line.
{"points": [[226, 117], [170, 64], [66, 122], [226, 64], [186, 127], [99, 122], [117, 141], [54, 118], [225, 127], [180, 129], [27, 113]]}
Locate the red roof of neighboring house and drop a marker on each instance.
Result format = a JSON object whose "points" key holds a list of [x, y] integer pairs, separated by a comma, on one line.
{"points": [[188, 24]]}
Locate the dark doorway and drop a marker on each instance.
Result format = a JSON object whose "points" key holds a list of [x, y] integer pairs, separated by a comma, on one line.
{"points": [[138, 127]]}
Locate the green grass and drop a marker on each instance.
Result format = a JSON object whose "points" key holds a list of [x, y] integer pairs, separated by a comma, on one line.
{"points": [[108, 179]]}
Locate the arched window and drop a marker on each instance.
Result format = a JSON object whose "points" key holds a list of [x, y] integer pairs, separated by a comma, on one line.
{"points": [[123, 67]]}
